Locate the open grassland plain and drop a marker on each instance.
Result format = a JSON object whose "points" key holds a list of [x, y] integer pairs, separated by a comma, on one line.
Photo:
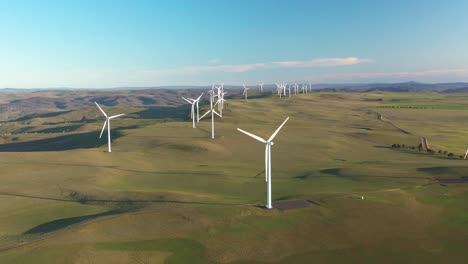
{"points": [[170, 194]]}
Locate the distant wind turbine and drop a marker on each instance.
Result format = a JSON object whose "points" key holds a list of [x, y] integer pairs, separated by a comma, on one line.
{"points": [[261, 87], [194, 103], [244, 93], [212, 111], [279, 88], [268, 143], [108, 119]]}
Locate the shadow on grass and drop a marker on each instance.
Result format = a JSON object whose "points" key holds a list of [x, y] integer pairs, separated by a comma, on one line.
{"points": [[339, 173], [65, 222], [59, 129], [31, 116], [60, 143], [83, 199], [166, 112]]}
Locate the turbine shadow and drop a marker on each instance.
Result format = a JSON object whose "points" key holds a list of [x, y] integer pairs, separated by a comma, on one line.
{"points": [[61, 143]]}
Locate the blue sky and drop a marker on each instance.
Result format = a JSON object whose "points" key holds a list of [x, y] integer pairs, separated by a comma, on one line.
{"points": [[100, 44]]}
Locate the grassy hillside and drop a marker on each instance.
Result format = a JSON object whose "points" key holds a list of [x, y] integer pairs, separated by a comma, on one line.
{"points": [[169, 193]]}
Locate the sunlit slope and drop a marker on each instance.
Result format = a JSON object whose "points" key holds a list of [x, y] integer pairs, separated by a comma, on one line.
{"points": [[202, 191]]}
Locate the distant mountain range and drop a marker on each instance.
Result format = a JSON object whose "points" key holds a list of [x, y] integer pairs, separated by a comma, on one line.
{"points": [[345, 87], [394, 87]]}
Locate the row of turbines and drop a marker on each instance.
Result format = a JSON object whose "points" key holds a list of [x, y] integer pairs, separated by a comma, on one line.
{"points": [[217, 93], [283, 89], [216, 96]]}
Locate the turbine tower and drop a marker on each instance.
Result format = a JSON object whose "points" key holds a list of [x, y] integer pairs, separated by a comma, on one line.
{"points": [[244, 93], [220, 96], [261, 87], [194, 103], [268, 144], [284, 88], [278, 89], [108, 119], [212, 111]]}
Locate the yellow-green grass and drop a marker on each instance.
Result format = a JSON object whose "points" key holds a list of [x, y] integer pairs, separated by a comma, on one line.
{"points": [[195, 198]]}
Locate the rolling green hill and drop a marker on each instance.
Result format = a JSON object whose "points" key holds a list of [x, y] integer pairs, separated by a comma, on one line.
{"points": [[168, 193]]}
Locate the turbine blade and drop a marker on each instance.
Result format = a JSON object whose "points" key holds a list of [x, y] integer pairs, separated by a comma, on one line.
{"points": [[114, 116], [277, 130], [103, 127], [199, 97], [187, 100], [217, 113], [104, 113], [252, 135], [209, 111]]}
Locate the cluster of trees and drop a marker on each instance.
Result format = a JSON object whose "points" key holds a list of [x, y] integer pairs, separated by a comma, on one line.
{"points": [[421, 148]]}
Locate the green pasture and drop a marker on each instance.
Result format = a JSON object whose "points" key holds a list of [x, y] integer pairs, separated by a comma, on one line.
{"points": [[169, 193]]}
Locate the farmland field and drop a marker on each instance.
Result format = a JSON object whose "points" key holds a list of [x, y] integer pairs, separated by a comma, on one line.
{"points": [[169, 193]]}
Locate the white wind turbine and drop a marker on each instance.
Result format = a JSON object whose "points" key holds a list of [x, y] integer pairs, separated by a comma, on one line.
{"points": [[194, 103], [221, 103], [268, 143], [220, 100], [212, 111], [279, 89], [244, 93], [198, 107], [108, 119], [261, 87], [284, 88]]}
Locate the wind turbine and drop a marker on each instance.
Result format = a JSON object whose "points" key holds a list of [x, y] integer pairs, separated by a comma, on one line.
{"points": [[192, 111], [108, 119], [284, 88], [278, 89], [261, 87], [220, 96], [212, 111], [245, 91], [221, 103], [268, 144], [198, 108]]}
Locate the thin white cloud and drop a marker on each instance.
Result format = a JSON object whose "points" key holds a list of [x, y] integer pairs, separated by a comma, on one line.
{"points": [[215, 60], [239, 68], [375, 76]]}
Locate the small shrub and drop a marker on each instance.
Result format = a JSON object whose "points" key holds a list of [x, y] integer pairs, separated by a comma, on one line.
{"points": [[440, 151], [445, 152], [450, 154], [403, 145]]}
